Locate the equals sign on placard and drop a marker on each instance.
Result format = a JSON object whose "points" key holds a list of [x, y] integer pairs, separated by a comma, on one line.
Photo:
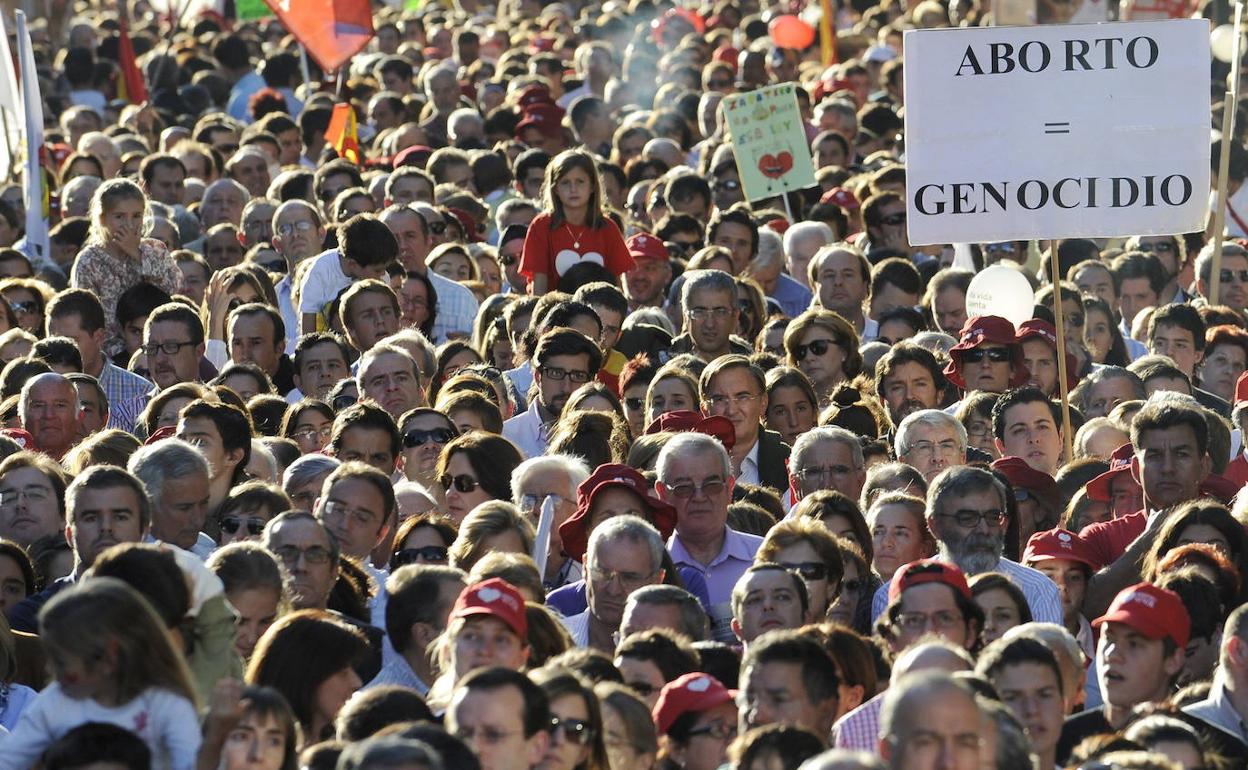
{"points": [[1057, 128]]}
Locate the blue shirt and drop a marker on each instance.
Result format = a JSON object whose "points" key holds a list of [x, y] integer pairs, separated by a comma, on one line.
{"points": [[721, 575], [793, 297]]}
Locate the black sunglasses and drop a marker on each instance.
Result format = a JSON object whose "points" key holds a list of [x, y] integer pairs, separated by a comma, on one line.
{"points": [[818, 347], [426, 554], [977, 355], [230, 524], [416, 437], [463, 483], [437, 228], [344, 402]]}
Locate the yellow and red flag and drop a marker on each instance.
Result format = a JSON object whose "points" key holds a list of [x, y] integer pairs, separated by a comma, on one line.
{"points": [[131, 87], [343, 133]]}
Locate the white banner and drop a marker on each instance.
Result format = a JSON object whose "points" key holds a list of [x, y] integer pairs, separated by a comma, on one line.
{"points": [[1084, 130]]}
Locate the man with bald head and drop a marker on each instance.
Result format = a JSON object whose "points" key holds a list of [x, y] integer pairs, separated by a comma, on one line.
{"points": [[50, 412], [223, 202], [927, 714]]}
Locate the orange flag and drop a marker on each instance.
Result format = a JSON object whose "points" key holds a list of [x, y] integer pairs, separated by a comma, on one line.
{"points": [[332, 31], [131, 88], [343, 134]]}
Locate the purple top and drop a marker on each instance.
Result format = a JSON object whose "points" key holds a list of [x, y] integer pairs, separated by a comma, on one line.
{"points": [[721, 574]]}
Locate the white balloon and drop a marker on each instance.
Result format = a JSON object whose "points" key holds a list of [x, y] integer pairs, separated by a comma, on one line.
{"points": [[1000, 291], [1222, 42]]}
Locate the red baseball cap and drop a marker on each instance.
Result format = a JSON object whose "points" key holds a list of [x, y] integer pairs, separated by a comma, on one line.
{"points": [[533, 95], [25, 440], [1037, 328], [497, 598], [468, 224], [647, 246], [575, 531], [916, 573], [981, 330], [685, 420], [416, 155], [1058, 544], [1154, 612], [160, 434], [1120, 462], [839, 196], [694, 691], [777, 225], [546, 118], [1241, 388], [1024, 476]]}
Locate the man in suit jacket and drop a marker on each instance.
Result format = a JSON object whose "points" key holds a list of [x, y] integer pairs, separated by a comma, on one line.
{"points": [[733, 388]]}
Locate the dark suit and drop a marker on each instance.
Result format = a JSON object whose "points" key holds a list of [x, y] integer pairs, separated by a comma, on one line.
{"points": [[773, 454], [1212, 402]]}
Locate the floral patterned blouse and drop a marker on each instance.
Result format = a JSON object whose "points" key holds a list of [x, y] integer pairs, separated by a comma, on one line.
{"points": [[98, 271]]}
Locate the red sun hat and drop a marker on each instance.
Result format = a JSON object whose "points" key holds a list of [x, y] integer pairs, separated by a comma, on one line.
{"points": [[534, 95], [416, 155], [916, 573], [685, 420], [1120, 462], [546, 118], [981, 330], [1023, 476], [1037, 328], [1058, 544], [496, 598], [695, 692], [839, 196], [647, 246], [1155, 612], [574, 533]]}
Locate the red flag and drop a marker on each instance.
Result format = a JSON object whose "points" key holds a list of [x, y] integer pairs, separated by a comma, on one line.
{"points": [[342, 133], [131, 88], [331, 30]]}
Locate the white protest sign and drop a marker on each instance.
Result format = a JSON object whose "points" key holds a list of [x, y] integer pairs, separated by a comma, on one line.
{"points": [[1085, 130]]}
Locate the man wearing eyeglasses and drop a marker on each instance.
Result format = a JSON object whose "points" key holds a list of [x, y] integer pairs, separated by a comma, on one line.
{"points": [[826, 457], [733, 388], [930, 441], [563, 361], [503, 717], [357, 505], [310, 554], [708, 301], [695, 477], [1233, 276], [298, 234], [173, 343], [625, 553], [966, 513]]}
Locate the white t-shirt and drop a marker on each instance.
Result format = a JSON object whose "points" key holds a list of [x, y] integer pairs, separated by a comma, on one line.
{"points": [[165, 721], [323, 282]]}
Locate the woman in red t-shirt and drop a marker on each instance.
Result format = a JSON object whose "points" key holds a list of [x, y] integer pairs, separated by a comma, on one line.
{"points": [[573, 227]]}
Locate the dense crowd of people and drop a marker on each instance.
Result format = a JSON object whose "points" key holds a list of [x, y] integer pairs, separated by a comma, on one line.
{"points": [[506, 433]]}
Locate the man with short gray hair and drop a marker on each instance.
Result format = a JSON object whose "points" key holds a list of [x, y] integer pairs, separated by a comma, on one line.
{"points": [[827, 457], [708, 304], [694, 477], [551, 477], [768, 265], [175, 475], [50, 412], [931, 441], [1233, 278], [664, 606], [801, 241], [625, 553]]}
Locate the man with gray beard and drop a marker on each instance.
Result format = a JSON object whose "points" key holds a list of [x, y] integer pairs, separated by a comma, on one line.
{"points": [[967, 514]]}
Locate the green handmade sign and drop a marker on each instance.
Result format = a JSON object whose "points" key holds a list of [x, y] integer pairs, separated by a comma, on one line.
{"points": [[769, 141]]}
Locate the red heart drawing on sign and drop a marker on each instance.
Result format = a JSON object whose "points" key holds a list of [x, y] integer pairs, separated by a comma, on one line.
{"points": [[776, 166]]}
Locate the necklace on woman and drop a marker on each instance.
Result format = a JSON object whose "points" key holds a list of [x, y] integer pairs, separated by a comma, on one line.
{"points": [[576, 242]]}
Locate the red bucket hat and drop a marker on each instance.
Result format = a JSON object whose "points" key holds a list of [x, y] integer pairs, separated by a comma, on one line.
{"points": [[1037, 328], [546, 118], [981, 330], [575, 531], [1024, 476]]}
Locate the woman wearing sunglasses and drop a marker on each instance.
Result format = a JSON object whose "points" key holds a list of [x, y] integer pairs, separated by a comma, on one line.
{"points": [[248, 508], [824, 346], [425, 432], [476, 468], [576, 741], [423, 539]]}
